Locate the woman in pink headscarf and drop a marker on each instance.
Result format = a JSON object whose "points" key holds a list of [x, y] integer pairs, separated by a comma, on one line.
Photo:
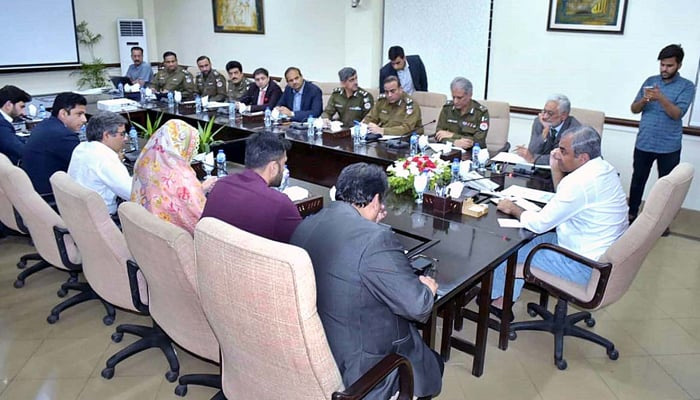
{"points": [[164, 182]]}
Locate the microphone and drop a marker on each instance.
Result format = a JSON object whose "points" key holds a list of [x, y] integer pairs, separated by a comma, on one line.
{"points": [[399, 143]]}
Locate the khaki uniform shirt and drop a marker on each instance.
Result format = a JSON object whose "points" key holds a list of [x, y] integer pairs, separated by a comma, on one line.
{"points": [[236, 91], [473, 125], [180, 80], [399, 118], [213, 85], [349, 109]]}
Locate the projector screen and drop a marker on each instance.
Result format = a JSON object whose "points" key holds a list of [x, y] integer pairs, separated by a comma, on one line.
{"points": [[38, 33]]}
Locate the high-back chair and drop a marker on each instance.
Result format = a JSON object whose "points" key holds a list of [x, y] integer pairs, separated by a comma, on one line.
{"points": [[105, 256], [430, 106], [259, 297], [326, 90], [499, 118], [51, 238], [165, 255], [612, 274], [593, 118]]}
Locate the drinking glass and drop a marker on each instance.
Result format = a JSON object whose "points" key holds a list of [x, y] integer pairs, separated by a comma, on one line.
{"points": [[420, 182], [207, 168]]}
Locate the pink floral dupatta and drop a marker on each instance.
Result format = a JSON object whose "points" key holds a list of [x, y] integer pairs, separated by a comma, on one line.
{"points": [[164, 182]]}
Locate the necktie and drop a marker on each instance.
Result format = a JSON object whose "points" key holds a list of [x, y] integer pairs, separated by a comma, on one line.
{"points": [[261, 97], [552, 135]]}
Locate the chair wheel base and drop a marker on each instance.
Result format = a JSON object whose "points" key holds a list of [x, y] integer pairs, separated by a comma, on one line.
{"points": [[18, 284], [512, 335], [51, 319], [590, 322], [117, 337], [561, 364], [107, 373], [61, 293], [613, 354], [108, 320], [22, 264], [171, 376], [531, 313], [181, 390]]}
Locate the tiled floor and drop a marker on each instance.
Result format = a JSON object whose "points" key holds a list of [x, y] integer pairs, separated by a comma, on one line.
{"points": [[656, 327]]}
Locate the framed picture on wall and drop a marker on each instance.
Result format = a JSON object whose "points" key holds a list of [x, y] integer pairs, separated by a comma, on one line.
{"points": [[594, 16], [238, 16]]}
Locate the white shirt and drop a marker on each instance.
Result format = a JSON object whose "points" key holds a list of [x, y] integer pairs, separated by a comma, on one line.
{"points": [[589, 210], [97, 167], [7, 117], [406, 80]]}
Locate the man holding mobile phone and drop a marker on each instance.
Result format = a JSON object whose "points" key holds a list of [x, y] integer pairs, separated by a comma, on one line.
{"points": [[663, 100]]}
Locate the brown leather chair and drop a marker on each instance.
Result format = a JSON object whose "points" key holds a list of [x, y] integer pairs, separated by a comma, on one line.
{"points": [[165, 255], [612, 274], [430, 106], [259, 297], [499, 116], [105, 256], [593, 118]]}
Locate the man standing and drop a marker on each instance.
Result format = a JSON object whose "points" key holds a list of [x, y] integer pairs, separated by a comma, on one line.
{"points": [[300, 99], [12, 103], [264, 94], [139, 72], [588, 210], [97, 163], [248, 201], [663, 100], [463, 120], [349, 101], [51, 144], [209, 82], [367, 294], [410, 71], [171, 77], [547, 127], [238, 84], [395, 113]]}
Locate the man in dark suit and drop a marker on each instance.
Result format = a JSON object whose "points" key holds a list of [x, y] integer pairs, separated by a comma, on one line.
{"points": [[12, 104], [51, 144], [271, 92], [550, 123], [409, 69], [300, 99], [367, 293]]}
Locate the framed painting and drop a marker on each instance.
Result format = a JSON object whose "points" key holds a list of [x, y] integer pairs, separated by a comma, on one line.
{"points": [[594, 16], [238, 16]]}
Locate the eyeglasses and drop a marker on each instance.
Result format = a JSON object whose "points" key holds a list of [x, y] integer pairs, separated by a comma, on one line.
{"points": [[549, 113], [120, 133]]}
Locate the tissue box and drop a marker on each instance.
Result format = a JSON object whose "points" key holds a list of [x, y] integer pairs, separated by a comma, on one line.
{"points": [[310, 205], [451, 155], [117, 105], [474, 210], [441, 205]]}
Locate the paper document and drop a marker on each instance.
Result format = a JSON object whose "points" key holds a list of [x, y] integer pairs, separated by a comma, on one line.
{"points": [[216, 104], [512, 158], [539, 196], [441, 147], [509, 223], [389, 137], [520, 202]]}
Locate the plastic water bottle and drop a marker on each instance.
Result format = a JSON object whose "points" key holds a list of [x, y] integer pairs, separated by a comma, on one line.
{"points": [[82, 134], [268, 118], [197, 104], [232, 110], [475, 155], [142, 91], [120, 89], [221, 163], [310, 127], [414, 144], [42, 111], [285, 179], [171, 100], [134, 138], [455, 170], [356, 133]]}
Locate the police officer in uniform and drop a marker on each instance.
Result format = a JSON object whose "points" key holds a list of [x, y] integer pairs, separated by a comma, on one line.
{"points": [[395, 112], [171, 77], [349, 101], [209, 82], [463, 120], [238, 84]]}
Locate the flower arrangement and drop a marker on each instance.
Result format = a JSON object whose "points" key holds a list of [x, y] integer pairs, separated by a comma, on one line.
{"points": [[402, 172]]}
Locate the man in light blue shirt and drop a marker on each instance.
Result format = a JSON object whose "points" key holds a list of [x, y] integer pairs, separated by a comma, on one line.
{"points": [[139, 72], [663, 100]]}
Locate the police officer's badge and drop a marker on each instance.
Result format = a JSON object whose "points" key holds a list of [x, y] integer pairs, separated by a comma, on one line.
{"points": [[484, 125], [219, 84]]}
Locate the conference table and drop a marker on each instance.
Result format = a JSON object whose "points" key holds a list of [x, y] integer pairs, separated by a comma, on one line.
{"points": [[468, 251]]}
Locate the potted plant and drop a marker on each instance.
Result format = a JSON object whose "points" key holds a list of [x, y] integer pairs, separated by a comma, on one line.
{"points": [[206, 135], [93, 73], [147, 131]]}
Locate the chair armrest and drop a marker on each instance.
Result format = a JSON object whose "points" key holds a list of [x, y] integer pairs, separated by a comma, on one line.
{"points": [[376, 374], [60, 234], [50, 200], [604, 268], [132, 270], [20, 222]]}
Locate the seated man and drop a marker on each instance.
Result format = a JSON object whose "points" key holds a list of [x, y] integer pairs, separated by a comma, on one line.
{"points": [[349, 101], [553, 120], [264, 94], [51, 144], [395, 113], [209, 82], [409, 69], [463, 120], [247, 200], [97, 163], [367, 293], [238, 84], [139, 72], [171, 77], [300, 99], [588, 210], [12, 103]]}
